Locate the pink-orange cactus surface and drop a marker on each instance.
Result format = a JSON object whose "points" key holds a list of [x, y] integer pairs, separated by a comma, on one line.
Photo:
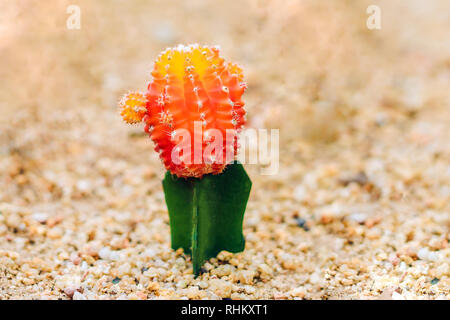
{"points": [[194, 89]]}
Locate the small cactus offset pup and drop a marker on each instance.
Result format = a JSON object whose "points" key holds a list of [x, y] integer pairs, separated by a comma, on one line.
{"points": [[193, 112]]}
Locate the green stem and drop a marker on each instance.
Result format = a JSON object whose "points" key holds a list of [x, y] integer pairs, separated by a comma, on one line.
{"points": [[195, 260], [206, 214]]}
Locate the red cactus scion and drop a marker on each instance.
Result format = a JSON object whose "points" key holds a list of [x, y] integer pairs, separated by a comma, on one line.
{"points": [[193, 89]]}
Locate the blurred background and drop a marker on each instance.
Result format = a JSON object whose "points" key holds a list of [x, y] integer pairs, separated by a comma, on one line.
{"points": [[314, 69], [355, 107]]}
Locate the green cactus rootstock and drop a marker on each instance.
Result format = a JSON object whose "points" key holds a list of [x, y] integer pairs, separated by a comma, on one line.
{"points": [[206, 214]]}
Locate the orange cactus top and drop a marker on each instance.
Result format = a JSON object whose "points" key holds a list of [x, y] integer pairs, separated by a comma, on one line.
{"points": [[194, 92]]}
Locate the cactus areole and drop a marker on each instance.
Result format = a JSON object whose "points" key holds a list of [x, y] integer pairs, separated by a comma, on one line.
{"points": [[193, 112]]}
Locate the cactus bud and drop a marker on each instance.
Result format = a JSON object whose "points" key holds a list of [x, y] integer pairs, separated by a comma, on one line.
{"points": [[133, 107]]}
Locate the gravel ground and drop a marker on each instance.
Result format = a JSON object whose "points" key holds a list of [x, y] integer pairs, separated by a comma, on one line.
{"points": [[358, 210]]}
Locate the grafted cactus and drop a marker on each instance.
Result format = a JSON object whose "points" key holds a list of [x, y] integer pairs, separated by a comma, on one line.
{"points": [[193, 112]]}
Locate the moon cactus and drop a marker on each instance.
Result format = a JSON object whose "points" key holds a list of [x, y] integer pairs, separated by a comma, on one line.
{"points": [[193, 112]]}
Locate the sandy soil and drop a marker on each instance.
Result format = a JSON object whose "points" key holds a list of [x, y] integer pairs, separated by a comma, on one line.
{"points": [[358, 210]]}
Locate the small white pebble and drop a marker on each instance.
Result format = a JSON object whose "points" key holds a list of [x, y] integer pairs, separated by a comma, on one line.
{"points": [[397, 296], [78, 296], [104, 253], [433, 256], [83, 185], [124, 269], [40, 217], [358, 217], [150, 253], [252, 221], [298, 292], [299, 193], [114, 256], [402, 266], [423, 254], [314, 279], [443, 269], [84, 266], [339, 244]]}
